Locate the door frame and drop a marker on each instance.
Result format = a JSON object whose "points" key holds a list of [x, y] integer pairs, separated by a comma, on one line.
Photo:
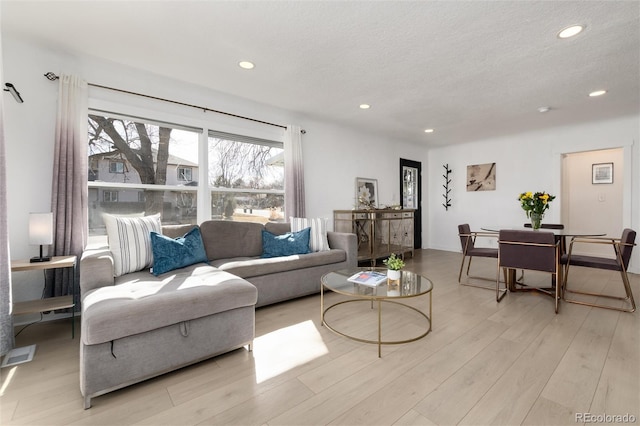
{"points": [[627, 198], [417, 216]]}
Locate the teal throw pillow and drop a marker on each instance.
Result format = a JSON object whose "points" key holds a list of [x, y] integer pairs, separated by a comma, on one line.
{"points": [[170, 254], [285, 244]]}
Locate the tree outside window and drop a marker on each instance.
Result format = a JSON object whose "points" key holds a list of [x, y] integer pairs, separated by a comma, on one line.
{"points": [[247, 178], [128, 157]]}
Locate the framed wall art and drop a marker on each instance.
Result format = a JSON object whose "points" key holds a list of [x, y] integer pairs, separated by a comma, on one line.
{"points": [[366, 193], [481, 177], [601, 173]]}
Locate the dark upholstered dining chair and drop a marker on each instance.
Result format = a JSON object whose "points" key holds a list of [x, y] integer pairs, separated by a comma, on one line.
{"points": [[530, 250], [469, 249], [563, 241], [622, 248]]}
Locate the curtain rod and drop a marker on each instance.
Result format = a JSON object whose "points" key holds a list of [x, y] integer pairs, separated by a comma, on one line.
{"points": [[51, 76]]}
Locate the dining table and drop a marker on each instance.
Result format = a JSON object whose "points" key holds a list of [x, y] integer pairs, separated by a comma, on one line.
{"points": [[561, 235]]}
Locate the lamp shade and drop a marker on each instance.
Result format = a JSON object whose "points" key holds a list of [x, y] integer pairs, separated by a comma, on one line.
{"points": [[40, 228]]}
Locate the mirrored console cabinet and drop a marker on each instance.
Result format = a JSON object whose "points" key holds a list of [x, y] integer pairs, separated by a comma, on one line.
{"points": [[380, 232]]}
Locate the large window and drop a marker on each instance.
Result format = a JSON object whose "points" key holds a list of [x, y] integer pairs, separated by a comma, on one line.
{"points": [[246, 177], [141, 167], [137, 168]]}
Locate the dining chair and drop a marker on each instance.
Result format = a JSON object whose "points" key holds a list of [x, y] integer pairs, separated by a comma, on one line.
{"points": [[530, 250], [622, 248], [563, 241], [469, 249]]}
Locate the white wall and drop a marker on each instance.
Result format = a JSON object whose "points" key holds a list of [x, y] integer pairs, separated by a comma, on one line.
{"points": [[526, 162], [334, 155]]}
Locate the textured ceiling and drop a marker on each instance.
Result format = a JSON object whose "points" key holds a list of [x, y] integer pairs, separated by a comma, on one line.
{"points": [[470, 70]]}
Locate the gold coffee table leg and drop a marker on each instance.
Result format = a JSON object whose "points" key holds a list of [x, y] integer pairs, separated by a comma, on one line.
{"points": [[379, 340], [379, 329]]}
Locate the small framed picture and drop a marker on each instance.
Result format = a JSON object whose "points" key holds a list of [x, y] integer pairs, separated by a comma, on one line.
{"points": [[366, 193], [602, 173]]}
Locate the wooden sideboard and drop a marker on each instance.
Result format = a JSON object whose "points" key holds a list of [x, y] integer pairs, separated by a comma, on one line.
{"points": [[380, 232]]}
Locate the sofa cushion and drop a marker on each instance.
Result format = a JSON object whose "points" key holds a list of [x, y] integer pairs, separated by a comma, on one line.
{"points": [[278, 228], [130, 241], [318, 238], [285, 244], [140, 302], [251, 267], [170, 253], [226, 238], [176, 231]]}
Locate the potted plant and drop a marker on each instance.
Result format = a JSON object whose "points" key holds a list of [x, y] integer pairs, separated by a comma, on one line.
{"points": [[394, 264]]}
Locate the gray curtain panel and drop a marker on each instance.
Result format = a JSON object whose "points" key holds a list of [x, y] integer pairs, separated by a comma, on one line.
{"points": [[6, 322], [293, 173], [69, 191]]}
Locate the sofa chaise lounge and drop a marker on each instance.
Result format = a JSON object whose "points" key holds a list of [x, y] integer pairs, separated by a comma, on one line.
{"points": [[137, 325]]}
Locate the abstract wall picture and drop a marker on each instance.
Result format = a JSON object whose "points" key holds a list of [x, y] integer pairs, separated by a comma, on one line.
{"points": [[481, 177]]}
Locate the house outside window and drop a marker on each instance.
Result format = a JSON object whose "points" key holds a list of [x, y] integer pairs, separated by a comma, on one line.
{"points": [[137, 161]]}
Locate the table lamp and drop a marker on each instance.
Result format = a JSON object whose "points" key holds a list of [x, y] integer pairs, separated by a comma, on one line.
{"points": [[40, 233]]}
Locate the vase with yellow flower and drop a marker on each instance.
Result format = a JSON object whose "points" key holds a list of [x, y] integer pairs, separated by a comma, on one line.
{"points": [[535, 204]]}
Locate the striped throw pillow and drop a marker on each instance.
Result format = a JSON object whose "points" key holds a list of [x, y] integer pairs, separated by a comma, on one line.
{"points": [[318, 240], [130, 241]]}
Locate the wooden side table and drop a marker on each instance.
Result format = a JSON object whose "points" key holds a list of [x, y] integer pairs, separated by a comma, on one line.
{"points": [[49, 303]]}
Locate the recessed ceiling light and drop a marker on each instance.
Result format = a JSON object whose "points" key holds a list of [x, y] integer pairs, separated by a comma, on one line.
{"points": [[246, 65], [365, 106], [544, 109], [597, 93], [428, 130], [571, 31]]}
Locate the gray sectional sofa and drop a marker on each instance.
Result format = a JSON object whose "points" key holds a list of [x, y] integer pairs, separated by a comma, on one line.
{"points": [[137, 326]]}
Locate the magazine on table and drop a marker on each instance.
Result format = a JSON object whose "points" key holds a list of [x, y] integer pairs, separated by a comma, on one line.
{"points": [[372, 278]]}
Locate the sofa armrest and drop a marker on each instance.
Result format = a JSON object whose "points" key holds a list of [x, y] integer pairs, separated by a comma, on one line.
{"points": [[96, 270], [347, 242]]}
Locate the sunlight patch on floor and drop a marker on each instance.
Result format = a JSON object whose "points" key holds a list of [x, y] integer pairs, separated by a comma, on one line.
{"points": [[7, 380], [286, 348]]}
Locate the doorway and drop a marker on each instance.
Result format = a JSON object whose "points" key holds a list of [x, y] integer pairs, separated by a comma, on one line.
{"points": [[411, 195], [592, 203]]}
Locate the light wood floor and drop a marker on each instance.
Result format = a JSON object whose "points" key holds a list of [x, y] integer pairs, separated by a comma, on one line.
{"points": [[484, 363]]}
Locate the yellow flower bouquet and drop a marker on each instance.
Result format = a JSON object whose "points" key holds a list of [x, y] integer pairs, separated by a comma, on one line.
{"points": [[535, 204]]}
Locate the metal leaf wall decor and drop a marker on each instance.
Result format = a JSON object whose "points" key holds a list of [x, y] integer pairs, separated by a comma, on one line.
{"points": [[447, 190]]}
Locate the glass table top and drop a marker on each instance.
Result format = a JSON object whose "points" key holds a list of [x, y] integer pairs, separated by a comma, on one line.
{"points": [[410, 284], [568, 232]]}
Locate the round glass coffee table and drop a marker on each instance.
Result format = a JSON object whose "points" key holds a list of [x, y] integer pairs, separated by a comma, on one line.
{"points": [[409, 285]]}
